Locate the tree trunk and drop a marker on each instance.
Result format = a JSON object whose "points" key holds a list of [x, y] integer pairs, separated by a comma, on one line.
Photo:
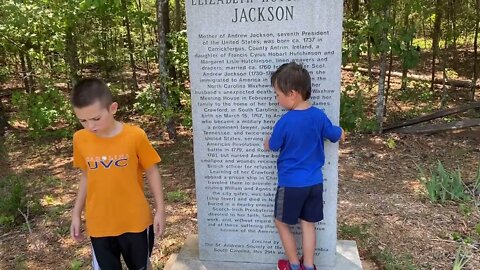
{"points": [[436, 38], [162, 30], [406, 24], [30, 78], [381, 80], [453, 17], [369, 50], [71, 53], [475, 49], [3, 122], [144, 45], [104, 46], [130, 45], [390, 65], [26, 82]]}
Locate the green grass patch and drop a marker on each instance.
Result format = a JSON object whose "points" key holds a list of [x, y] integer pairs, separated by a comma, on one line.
{"points": [[76, 265], [370, 248], [177, 196], [442, 185], [358, 233], [15, 200], [390, 261]]}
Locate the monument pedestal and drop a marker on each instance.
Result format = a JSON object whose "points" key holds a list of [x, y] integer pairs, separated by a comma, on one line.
{"points": [[347, 258]]}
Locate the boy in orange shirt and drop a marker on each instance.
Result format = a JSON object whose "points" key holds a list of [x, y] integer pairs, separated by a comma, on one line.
{"points": [[112, 157]]}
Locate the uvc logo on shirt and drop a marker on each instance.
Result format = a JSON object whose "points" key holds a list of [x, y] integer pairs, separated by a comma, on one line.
{"points": [[105, 162]]}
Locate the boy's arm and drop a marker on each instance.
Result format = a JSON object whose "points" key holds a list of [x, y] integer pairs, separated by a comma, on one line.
{"points": [[155, 182], [75, 227], [266, 143]]}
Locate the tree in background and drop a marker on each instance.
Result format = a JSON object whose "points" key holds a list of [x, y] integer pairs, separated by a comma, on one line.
{"points": [[139, 47]]}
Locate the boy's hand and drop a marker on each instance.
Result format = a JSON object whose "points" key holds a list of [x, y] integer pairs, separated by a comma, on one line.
{"points": [[159, 223], [342, 137], [266, 143], [75, 229]]}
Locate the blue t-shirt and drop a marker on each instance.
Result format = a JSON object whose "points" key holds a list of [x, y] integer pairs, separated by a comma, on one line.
{"points": [[299, 135]]}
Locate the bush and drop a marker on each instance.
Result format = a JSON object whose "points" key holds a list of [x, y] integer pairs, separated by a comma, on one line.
{"points": [[352, 110], [12, 198], [44, 111], [148, 101], [179, 92], [442, 185]]}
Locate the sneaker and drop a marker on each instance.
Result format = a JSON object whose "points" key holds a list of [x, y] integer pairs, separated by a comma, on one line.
{"points": [[285, 265], [302, 267]]}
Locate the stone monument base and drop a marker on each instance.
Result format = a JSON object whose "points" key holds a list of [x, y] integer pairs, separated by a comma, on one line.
{"points": [[347, 259]]}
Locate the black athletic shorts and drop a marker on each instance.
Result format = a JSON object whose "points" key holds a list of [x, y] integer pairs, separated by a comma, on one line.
{"points": [[135, 249], [294, 203]]}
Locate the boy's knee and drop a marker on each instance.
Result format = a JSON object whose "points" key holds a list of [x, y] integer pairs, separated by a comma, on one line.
{"points": [[280, 223], [307, 223]]}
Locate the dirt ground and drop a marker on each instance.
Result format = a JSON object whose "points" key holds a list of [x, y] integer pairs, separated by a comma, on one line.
{"points": [[380, 198], [381, 202]]}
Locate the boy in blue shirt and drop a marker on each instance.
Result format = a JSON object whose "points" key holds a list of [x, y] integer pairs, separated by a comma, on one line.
{"points": [[299, 135]]}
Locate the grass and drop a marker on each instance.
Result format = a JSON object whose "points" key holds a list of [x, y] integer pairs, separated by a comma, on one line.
{"points": [[76, 265], [177, 196], [390, 261], [370, 248]]}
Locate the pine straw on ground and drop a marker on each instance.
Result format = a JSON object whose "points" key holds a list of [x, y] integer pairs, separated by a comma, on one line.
{"points": [[379, 192]]}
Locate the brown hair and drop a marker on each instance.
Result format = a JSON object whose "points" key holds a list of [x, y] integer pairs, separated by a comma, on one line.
{"points": [[292, 76], [89, 90]]}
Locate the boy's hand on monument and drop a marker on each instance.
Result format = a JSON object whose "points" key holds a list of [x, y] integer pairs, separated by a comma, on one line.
{"points": [[266, 144], [342, 137], [159, 223], [75, 229]]}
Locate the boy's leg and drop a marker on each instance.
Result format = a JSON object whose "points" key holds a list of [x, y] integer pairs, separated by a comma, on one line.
{"points": [[312, 212], [309, 242], [288, 207], [105, 253], [136, 248], [288, 241]]}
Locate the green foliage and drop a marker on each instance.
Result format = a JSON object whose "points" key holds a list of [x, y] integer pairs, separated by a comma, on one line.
{"points": [[20, 262], [391, 262], [177, 196], [355, 39], [477, 229], [352, 109], [76, 265], [177, 57], [13, 199], [391, 143], [44, 111], [442, 185], [461, 259], [178, 54], [148, 101], [465, 209], [353, 232], [4, 76]]}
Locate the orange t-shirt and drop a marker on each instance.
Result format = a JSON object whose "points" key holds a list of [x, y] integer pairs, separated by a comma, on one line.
{"points": [[115, 202]]}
